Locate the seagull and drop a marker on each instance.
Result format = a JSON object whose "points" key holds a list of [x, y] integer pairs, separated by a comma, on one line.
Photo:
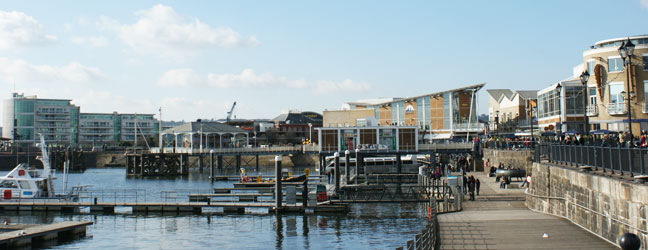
{"points": [[22, 232]]}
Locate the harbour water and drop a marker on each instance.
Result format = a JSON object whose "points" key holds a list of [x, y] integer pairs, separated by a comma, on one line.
{"points": [[366, 226]]}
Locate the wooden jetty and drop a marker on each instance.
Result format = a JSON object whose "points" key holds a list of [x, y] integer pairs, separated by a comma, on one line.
{"points": [[25, 235], [172, 207]]}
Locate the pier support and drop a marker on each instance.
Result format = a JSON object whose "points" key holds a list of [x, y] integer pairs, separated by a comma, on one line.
{"points": [[238, 162], [347, 162], [200, 163], [219, 160], [211, 165], [337, 171], [278, 193], [257, 163]]}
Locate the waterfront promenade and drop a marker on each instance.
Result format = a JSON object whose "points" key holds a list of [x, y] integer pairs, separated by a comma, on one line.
{"points": [[498, 219]]}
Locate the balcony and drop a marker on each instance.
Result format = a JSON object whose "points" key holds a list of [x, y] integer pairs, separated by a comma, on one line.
{"points": [[616, 108], [468, 127], [592, 110]]}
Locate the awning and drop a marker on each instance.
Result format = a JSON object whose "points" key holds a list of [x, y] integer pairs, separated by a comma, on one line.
{"points": [[437, 136]]}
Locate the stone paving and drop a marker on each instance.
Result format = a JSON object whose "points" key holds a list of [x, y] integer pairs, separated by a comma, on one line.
{"points": [[491, 223]]}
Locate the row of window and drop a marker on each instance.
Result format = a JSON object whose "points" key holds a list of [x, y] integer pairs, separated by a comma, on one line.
{"points": [[615, 64]]}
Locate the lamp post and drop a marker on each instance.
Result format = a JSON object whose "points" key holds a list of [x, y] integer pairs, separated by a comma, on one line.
{"points": [[584, 77], [497, 122], [626, 51], [310, 134]]}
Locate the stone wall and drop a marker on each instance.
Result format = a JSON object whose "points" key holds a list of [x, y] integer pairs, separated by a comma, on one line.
{"points": [[522, 159], [605, 205]]}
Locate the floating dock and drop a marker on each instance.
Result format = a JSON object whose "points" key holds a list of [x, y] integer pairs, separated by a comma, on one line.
{"points": [[28, 234]]}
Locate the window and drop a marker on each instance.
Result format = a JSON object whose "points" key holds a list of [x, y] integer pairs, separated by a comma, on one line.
{"points": [[615, 92], [645, 91], [592, 96], [645, 61], [615, 64], [590, 67]]}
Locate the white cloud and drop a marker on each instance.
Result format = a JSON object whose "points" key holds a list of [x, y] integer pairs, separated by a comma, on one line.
{"points": [[20, 30], [24, 72], [344, 86], [248, 78], [179, 78], [161, 31], [93, 41], [644, 3]]}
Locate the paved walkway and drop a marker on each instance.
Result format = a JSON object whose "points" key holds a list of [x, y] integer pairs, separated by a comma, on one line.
{"points": [[491, 222]]}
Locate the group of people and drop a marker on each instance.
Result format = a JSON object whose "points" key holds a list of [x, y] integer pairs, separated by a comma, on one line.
{"points": [[470, 185]]}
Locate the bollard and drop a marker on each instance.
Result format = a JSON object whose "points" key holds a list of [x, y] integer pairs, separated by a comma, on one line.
{"points": [[357, 165], [95, 200], [211, 165], [629, 241], [278, 193]]}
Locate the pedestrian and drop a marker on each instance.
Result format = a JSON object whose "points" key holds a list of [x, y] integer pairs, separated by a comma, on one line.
{"points": [[477, 185], [465, 184], [471, 187]]}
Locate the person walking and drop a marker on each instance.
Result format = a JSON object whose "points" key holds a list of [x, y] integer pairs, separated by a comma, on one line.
{"points": [[477, 185], [471, 187]]}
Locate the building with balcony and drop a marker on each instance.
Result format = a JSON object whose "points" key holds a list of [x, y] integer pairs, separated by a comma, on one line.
{"points": [[114, 128], [606, 102], [439, 115], [510, 110], [24, 117]]}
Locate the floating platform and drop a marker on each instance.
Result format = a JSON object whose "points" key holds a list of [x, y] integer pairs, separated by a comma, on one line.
{"points": [[25, 235]]}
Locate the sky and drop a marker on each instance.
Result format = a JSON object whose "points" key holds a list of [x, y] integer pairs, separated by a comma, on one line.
{"points": [[195, 58]]}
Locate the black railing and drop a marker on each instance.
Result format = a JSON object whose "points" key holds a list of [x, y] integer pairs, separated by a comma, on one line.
{"points": [[509, 145], [429, 236], [621, 160]]}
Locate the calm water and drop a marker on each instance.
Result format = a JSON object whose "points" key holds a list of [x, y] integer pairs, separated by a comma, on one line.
{"points": [[368, 226]]}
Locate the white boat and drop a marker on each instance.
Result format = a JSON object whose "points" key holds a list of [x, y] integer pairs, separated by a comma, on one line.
{"points": [[25, 182]]}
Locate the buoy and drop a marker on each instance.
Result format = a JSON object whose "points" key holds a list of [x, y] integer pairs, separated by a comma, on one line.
{"points": [[545, 236]]}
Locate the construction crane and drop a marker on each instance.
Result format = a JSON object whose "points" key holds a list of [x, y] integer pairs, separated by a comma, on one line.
{"points": [[229, 114]]}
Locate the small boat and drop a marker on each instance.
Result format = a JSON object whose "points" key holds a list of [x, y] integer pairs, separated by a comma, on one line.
{"points": [[25, 182]]}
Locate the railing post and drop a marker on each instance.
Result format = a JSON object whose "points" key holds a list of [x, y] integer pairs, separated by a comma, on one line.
{"points": [[611, 160], [620, 161], [641, 161], [410, 245]]}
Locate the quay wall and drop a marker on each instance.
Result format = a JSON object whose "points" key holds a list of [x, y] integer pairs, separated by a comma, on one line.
{"points": [[606, 205], [522, 159]]}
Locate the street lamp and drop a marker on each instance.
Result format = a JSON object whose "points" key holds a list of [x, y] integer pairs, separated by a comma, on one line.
{"points": [[310, 134], [626, 51], [497, 122], [584, 77]]}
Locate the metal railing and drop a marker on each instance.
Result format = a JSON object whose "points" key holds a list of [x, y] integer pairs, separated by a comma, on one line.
{"points": [[510, 145], [468, 127], [429, 237], [616, 108], [622, 160]]}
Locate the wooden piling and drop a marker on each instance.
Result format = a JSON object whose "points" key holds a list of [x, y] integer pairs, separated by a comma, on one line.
{"points": [[278, 193]]}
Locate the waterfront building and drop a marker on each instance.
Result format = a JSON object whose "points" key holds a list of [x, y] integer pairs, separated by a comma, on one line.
{"points": [[560, 106], [114, 128], [200, 136], [24, 117], [296, 126], [365, 138], [510, 110], [606, 104], [439, 115]]}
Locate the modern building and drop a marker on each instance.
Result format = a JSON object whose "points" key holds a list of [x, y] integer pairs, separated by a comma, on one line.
{"points": [[560, 106], [24, 117], [114, 128], [608, 85], [439, 115], [510, 110], [383, 138]]}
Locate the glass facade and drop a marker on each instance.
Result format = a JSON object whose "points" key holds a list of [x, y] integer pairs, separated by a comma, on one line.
{"points": [[394, 113], [574, 100], [549, 103], [447, 110], [590, 67]]}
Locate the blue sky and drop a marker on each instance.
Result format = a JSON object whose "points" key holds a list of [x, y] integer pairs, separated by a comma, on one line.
{"points": [[194, 58]]}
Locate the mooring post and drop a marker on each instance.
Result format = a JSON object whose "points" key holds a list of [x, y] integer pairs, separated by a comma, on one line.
{"points": [[181, 165], [305, 194], [200, 165], [347, 162], [336, 171], [357, 165], [211, 165], [278, 193]]}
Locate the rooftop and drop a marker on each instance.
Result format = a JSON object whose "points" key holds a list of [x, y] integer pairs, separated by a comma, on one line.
{"points": [[204, 127]]}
